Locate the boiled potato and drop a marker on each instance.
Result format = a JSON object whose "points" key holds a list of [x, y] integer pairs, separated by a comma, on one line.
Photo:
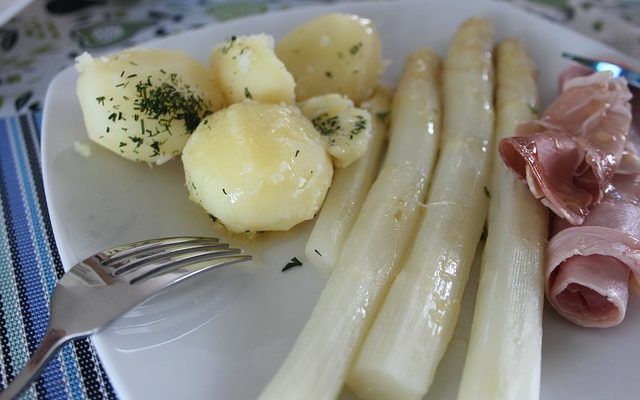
{"points": [[247, 67], [143, 104], [335, 53], [345, 128], [257, 166]]}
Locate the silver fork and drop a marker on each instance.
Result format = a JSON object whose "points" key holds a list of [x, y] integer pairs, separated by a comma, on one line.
{"points": [[106, 285]]}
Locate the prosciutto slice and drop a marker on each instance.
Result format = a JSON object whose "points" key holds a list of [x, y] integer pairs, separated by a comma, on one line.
{"points": [[588, 266], [569, 156]]}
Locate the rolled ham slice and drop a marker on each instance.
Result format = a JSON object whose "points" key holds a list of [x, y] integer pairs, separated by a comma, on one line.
{"points": [[588, 266], [630, 163], [569, 156]]}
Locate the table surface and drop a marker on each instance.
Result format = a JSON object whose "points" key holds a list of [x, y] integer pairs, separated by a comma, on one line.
{"points": [[43, 39]]}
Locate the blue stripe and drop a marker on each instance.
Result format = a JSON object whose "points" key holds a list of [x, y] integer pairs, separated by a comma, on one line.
{"points": [[42, 275], [87, 374], [32, 298], [20, 348], [68, 370], [31, 264]]}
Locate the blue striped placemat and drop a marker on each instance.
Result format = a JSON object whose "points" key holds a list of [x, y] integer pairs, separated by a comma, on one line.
{"points": [[29, 269]]}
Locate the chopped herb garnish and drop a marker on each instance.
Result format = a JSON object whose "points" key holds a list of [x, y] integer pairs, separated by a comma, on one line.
{"points": [[382, 116], [137, 140], [487, 192], [247, 93], [113, 117], [156, 147], [317, 252], [360, 125], [326, 125], [328, 74], [170, 101], [132, 76], [293, 263], [224, 191], [100, 100], [355, 48], [122, 144], [213, 217], [121, 74], [297, 152], [228, 45]]}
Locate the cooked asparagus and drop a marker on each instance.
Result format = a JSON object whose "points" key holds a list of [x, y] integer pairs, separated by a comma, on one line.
{"points": [[410, 334], [318, 363]]}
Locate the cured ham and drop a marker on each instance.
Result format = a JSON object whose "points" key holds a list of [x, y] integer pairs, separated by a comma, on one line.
{"points": [[631, 155], [588, 266], [569, 155]]}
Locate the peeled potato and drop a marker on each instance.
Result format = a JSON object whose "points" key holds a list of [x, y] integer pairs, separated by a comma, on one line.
{"points": [[345, 128], [257, 167], [335, 53], [143, 104], [246, 67]]}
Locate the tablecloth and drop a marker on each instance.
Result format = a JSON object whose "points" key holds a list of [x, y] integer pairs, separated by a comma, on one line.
{"points": [[43, 39]]}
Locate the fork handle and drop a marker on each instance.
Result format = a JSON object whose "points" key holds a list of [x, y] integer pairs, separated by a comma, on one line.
{"points": [[52, 342]]}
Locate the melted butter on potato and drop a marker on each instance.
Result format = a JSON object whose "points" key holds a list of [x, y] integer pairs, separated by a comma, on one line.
{"points": [[335, 53], [257, 167], [143, 104], [345, 128], [246, 67]]}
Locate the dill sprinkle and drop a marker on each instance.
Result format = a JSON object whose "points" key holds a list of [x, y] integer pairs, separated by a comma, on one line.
{"points": [[355, 48], [228, 45], [360, 125], [291, 264], [247, 93], [326, 125]]}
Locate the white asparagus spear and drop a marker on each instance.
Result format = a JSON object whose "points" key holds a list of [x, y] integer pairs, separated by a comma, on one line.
{"points": [[507, 323], [446, 380], [410, 334], [318, 363], [348, 191]]}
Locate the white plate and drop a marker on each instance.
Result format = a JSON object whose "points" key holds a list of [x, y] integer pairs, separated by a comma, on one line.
{"points": [[224, 336]]}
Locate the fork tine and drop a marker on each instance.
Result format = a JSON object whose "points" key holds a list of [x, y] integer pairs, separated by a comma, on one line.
{"points": [[155, 281], [174, 261], [117, 254], [146, 258]]}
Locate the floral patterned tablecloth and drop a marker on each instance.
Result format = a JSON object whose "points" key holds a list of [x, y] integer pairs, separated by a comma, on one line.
{"points": [[43, 39], [46, 36]]}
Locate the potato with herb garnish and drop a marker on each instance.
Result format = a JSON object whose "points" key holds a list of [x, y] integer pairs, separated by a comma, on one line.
{"points": [[257, 167], [144, 103], [345, 128], [335, 53], [245, 67]]}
